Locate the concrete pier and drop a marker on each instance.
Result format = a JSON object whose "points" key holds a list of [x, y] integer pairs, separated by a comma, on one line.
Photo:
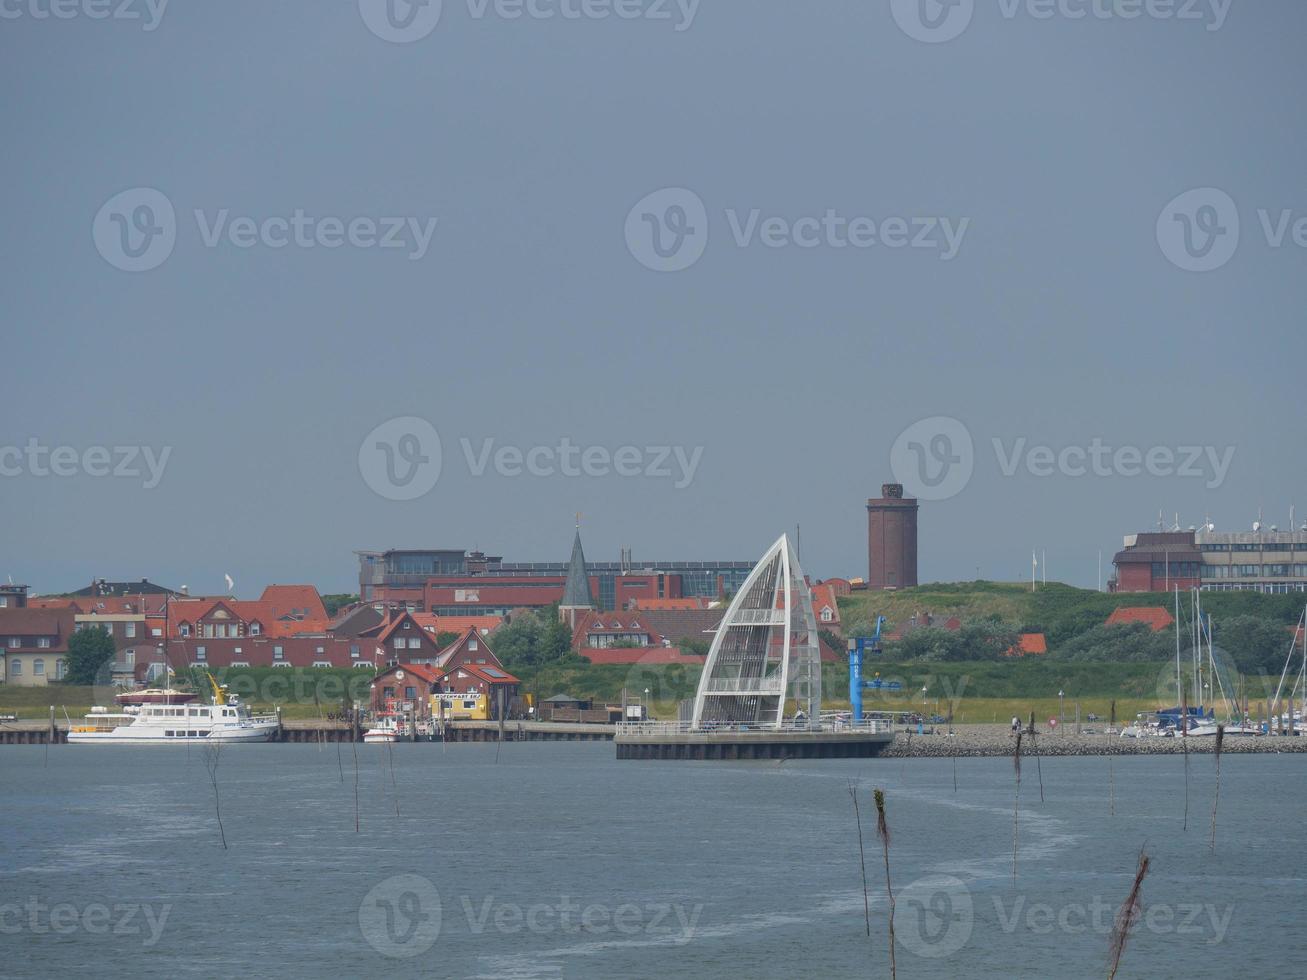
{"points": [[653, 740]]}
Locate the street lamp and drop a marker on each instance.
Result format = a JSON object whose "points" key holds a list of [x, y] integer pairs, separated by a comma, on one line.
{"points": [[644, 707], [1061, 711]]}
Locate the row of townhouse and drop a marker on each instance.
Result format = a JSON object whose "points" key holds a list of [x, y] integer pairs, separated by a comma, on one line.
{"points": [[155, 629]]}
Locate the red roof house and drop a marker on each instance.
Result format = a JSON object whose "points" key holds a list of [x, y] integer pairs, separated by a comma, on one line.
{"points": [[1154, 617]]}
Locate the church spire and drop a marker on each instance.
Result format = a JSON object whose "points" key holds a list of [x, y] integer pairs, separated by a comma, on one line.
{"points": [[576, 593]]}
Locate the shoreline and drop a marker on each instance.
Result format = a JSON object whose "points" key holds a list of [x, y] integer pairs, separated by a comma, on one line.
{"points": [[989, 744]]}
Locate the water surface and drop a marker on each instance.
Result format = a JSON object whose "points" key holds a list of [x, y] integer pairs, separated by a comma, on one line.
{"points": [[559, 861]]}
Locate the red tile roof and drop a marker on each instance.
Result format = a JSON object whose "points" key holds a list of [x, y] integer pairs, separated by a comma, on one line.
{"points": [[489, 673], [823, 596], [299, 601], [1155, 617], [689, 602], [640, 655], [421, 671], [1029, 643]]}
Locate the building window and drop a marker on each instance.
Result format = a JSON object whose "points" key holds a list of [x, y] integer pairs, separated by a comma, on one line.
{"points": [[410, 692], [129, 630], [60, 668], [184, 629], [400, 643], [471, 644], [43, 642], [322, 663], [240, 663], [107, 627], [278, 653], [255, 629], [201, 654], [415, 643], [15, 667], [38, 667], [15, 642], [354, 651], [130, 658], [156, 631]]}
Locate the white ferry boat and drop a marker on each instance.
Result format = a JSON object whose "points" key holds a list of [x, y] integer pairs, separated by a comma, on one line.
{"points": [[226, 720]]}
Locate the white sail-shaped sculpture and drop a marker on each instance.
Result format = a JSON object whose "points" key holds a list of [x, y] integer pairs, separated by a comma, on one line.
{"points": [[766, 649]]}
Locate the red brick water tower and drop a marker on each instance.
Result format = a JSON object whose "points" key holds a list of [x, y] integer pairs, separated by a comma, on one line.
{"points": [[891, 539]]}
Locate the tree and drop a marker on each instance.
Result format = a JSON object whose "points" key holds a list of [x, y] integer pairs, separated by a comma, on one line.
{"points": [[1257, 645], [89, 650], [534, 639], [334, 602], [1118, 643]]}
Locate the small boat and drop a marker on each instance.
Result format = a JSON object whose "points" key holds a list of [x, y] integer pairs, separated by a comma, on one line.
{"points": [[225, 720], [388, 728]]}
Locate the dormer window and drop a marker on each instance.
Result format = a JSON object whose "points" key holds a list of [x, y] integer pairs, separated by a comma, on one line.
{"points": [[255, 628]]}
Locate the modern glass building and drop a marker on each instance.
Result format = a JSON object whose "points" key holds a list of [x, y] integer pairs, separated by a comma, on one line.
{"points": [[412, 568]]}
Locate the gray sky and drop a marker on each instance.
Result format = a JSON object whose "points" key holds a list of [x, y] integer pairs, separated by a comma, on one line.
{"points": [[1063, 315]]}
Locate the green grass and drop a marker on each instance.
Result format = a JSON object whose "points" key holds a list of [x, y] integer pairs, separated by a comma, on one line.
{"points": [[1060, 611]]}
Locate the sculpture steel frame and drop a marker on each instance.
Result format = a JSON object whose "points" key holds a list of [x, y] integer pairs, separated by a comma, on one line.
{"points": [[765, 650]]}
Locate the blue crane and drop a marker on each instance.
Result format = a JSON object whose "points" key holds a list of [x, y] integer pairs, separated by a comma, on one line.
{"points": [[858, 646]]}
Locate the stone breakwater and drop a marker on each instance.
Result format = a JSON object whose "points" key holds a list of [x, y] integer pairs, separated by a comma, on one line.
{"points": [[965, 744]]}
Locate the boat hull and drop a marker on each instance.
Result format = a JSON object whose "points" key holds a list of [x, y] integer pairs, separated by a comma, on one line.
{"points": [[254, 733]]}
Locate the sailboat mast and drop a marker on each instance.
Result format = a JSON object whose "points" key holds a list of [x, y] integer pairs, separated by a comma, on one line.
{"points": [[1179, 682]]}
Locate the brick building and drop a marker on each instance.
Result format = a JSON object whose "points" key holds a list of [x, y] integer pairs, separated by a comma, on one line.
{"points": [[891, 539], [1260, 560]]}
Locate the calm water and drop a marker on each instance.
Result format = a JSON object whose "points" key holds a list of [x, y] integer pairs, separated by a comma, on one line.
{"points": [[561, 862]]}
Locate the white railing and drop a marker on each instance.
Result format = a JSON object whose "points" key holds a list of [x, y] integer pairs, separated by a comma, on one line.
{"points": [[735, 685], [758, 617], [662, 728]]}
